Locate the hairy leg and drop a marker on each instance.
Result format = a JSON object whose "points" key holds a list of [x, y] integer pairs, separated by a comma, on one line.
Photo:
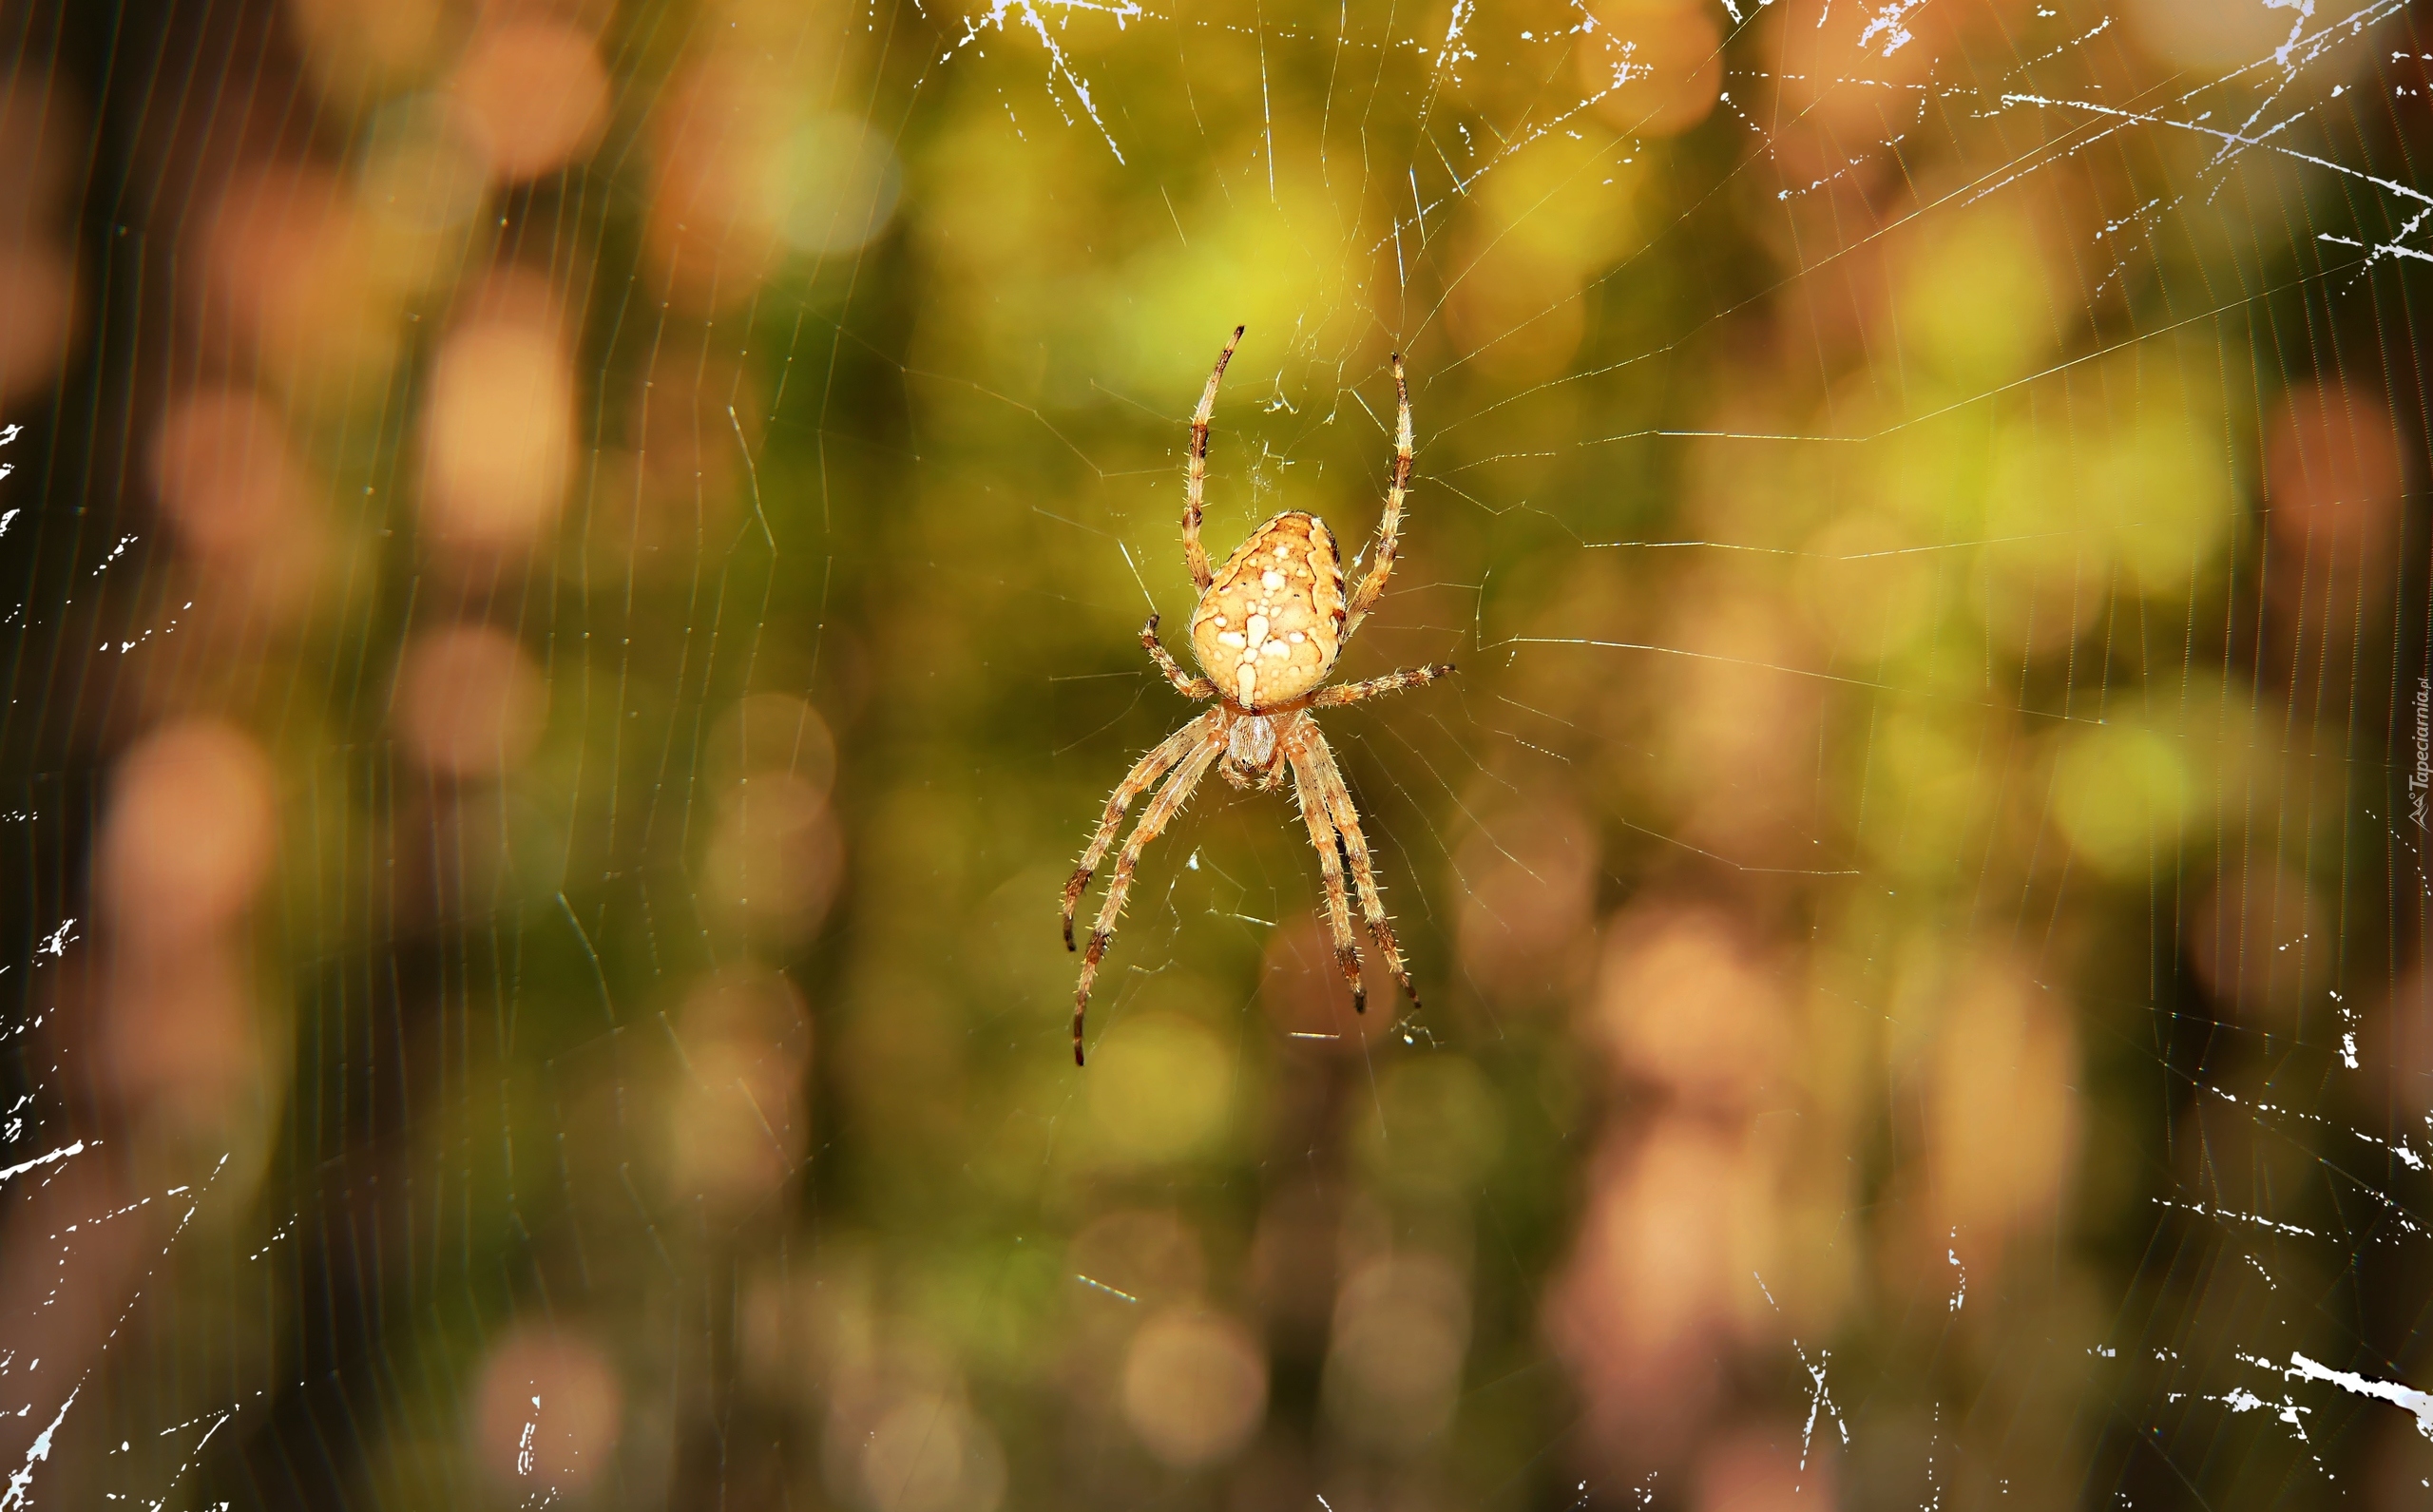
{"points": [[1189, 686], [1343, 692], [1323, 838], [1389, 529], [1194, 480], [1154, 819], [1142, 776], [1311, 748]]}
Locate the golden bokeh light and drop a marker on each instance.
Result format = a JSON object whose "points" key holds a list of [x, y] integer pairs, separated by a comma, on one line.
{"points": [[745, 174], [1655, 67], [2003, 1114], [2208, 37], [1769, 1467], [1865, 585], [1514, 307], [548, 1411], [771, 733], [2334, 472], [44, 126], [188, 835], [1676, 1226], [227, 476], [2162, 487], [1738, 729], [933, 1454], [1840, 71], [2122, 794], [2253, 940], [538, 93], [240, 500], [2402, 1039], [468, 702], [1974, 300], [43, 315], [1684, 1001], [498, 440], [44, 139], [293, 279], [775, 857], [358, 52], [178, 1037], [1194, 1387], [737, 1123]]}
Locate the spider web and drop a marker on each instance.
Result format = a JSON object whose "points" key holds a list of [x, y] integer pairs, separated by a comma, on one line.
{"points": [[575, 579]]}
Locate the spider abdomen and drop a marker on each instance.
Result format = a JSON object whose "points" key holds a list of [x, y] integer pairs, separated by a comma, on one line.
{"points": [[1271, 624]]}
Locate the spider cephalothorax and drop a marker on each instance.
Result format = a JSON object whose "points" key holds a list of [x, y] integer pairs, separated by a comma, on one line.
{"points": [[1267, 629]]}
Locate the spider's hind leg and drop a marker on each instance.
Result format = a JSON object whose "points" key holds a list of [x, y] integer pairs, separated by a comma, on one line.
{"points": [[1310, 753], [1142, 776], [1328, 843], [1161, 811]]}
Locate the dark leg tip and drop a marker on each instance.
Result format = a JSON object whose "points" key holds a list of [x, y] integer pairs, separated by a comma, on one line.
{"points": [[1068, 937], [1359, 1000], [1076, 1052]]}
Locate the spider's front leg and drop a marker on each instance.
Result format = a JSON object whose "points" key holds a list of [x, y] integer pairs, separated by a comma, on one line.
{"points": [[1195, 478], [1389, 529], [1189, 686]]}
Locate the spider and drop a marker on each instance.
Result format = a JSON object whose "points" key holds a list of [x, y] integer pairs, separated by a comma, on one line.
{"points": [[1267, 629]]}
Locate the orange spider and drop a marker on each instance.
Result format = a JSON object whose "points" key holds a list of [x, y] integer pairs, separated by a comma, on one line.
{"points": [[1267, 630]]}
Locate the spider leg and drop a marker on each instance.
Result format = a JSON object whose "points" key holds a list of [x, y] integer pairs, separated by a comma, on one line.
{"points": [[1195, 483], [1142, 776], [1189, 686], [1162, 809], [1389, 529], [1324, 840], [1309, 748], [1343, 692]]}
